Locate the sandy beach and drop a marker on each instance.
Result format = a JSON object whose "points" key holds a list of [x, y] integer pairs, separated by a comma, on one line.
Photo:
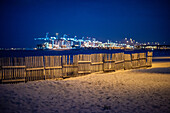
{"points": [[129, 91]]}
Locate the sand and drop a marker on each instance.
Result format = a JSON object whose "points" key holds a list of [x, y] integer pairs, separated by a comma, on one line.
{"points": [[129, 91]]}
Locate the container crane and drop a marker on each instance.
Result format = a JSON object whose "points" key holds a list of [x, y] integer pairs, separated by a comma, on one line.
{"points": [[47, 40]]}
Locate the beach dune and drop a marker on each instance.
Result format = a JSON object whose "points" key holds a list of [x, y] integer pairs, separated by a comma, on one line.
{"points": [[129, 91]]}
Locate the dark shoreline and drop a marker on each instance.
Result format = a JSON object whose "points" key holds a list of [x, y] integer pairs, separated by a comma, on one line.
{"points": [[23, 53]]}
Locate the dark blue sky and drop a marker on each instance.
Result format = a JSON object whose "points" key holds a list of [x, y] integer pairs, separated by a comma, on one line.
{"points": [[143, 20]]}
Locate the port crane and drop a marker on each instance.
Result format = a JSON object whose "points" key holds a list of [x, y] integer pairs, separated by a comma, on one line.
{"points": [[56, 42], [47, 39]]}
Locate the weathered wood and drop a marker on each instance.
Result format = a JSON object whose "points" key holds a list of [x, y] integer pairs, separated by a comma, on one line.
{"points": [[29, 69], [49, 67], [84, 64], [53, 67], [113, 65], [70, 67], [13, 80], [142, 59], [108, 70], [149, 54], [109, 62], [119, 61], [6, 61], [75, 63], [13, 66], [149, 59], [56, 67], [96, 62], [84, 72], [127, 61], [34, 68], [135, 60]]}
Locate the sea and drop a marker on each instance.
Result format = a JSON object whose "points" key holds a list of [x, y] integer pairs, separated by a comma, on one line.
{"points": [[24, 53]]}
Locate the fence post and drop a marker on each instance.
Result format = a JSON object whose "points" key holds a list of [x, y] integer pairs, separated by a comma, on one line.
{"points": [[75, 65], [149, 59]]}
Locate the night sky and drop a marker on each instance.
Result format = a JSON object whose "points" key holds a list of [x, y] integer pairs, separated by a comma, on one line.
{"points": [[143, 20]]}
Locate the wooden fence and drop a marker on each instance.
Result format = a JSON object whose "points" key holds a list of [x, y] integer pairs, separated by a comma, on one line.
{"points": [[12, 69], [51, 67], [142, 59], [149, 59], [109, 62], [34, 68], [70, 67], [127, 61], [135, 60], [84, 64], [96, 62], [119, 61]]}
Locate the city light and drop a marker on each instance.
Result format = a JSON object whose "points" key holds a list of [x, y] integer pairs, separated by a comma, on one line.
{"points": [[66, 42]]}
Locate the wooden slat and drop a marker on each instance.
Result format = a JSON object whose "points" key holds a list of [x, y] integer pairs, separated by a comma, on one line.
{"points": [[121, 61], [13, 66], [135, 56], [127, 57], [97, 63], [40, 68], [69, 66], [13, 80], [142, 59], [150, 54], [109, 62], [127, 61], [81, 72], [56, 67], [142, 55], [82, 62]]}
